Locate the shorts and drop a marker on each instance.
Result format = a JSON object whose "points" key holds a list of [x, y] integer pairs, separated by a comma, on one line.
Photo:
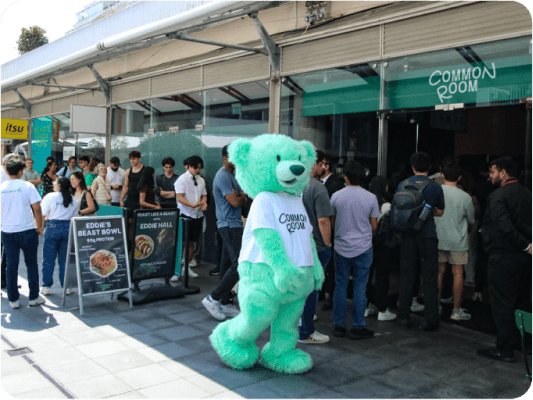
{"points": [[453, 257], [195, 229]]}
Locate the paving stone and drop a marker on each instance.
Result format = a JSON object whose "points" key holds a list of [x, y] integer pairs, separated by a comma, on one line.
{"points": [[177, 368], [174, 350], [44, 344], [156, 323], [25, 382], [68, 327], [207, 325], [121, 361], [402, 379], [322, 353], [260, 390], [366, 388], [515, 393], [329, 375], [178, 389], [128, 395], [190, 316], [76, 371], [434, 367], [294, 386], [403, 351], [112, 332], [63, 355], [226, 395], [512, 372], [15, 365], [206, 384], [481, 384], [443, 390], [48, 393], [90, 335], [150, 339], [152, 354], [101, 349], [104, 386], [130, 328], [100, 320], [179, 333], [145, 376], [360, 364]]}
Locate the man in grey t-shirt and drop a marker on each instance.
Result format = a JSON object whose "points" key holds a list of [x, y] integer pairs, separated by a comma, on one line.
{"points": [[29, 174], [316, 202]]}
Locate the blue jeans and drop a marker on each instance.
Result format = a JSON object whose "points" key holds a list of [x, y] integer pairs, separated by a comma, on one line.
{"points": [[343, 266], [308, 326], [55, 247], [27, 241]]}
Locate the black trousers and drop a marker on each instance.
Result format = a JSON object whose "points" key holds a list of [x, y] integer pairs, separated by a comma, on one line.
{"points": [[232, 240], [414, 248], [4, 266], [509, 281], [377, 294], [481, 265]]}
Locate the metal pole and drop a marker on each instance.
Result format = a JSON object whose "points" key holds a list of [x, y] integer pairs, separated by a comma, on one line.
{"points": [[417, 137], [383, 134], [185, 272], [274, 105]]}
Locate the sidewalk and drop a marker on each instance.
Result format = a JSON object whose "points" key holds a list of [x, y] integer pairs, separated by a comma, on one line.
{"points": [[162, 350]]}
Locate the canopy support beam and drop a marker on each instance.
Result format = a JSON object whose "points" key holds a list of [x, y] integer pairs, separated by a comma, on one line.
{"points": [[101, 82], [270, 46]]}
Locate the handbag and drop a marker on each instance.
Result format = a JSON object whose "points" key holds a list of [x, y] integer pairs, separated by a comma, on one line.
{"points": [[84, 202]]}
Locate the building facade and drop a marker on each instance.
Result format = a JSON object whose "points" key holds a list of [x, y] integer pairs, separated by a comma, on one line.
{"points": [[371, 82]]}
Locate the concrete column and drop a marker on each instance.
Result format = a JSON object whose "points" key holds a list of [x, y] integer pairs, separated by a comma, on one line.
{"points": [[274, 105]]}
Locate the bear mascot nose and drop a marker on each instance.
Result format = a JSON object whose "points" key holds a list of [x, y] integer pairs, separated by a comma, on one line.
{"points": [[297, 169]]}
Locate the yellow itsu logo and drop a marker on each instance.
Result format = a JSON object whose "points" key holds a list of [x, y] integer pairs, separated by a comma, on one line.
{"points": [[14, 129]]}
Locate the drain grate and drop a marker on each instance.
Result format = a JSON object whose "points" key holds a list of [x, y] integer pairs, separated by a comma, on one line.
{"points": [[19, 352]]}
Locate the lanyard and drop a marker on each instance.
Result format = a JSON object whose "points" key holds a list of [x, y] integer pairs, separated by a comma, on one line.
{"points": [[508, 182]]}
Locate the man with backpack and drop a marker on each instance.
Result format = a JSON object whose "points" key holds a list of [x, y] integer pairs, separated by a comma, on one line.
{"points": [[69, 169], [414, 207]]}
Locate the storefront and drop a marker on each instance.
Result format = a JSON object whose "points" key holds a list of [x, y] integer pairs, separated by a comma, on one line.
{"points": [[449, 78]]}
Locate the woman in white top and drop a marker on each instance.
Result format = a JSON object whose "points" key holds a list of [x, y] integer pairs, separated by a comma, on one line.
{"points": [[101, 186], [58, 208]]}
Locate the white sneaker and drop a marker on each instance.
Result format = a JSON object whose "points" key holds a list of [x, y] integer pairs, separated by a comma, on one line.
{"points": [[213, 307], [37, 302], [371, 310], [460, 315], [416, 306], [14, 304], [449, 300], [315, 338], [175, 278], [192, 274], [386, 316], [69, 291], [315, 317], [46, 290], [477, 296], [193, 263], [230, 310]]}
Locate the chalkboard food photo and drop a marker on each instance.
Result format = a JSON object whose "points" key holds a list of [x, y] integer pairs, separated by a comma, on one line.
{"points": [[100, 257]]}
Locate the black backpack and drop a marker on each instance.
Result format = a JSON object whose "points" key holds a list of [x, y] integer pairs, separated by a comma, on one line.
{"points": [[407, 204], [385, 234]]}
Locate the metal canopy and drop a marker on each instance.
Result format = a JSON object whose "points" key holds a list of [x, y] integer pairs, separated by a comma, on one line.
{"points": [[25, 102], [214, 43], [117, 46], [63, 86]]}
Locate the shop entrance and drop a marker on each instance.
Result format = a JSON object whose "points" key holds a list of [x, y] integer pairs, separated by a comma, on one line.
{"points": [[471, 136]]}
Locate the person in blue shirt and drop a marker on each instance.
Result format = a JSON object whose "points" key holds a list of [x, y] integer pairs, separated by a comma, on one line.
{"points": [[229, 198], [69, 169], [421, 247]]}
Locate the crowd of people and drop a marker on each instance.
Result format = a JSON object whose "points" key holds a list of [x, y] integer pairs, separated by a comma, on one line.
{"points": [[482, 230]]}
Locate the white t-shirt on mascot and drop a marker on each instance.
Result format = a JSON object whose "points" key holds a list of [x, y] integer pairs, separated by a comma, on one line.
{"points": [[286, 214]]}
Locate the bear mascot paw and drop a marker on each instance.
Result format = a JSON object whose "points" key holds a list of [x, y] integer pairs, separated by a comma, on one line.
{"points": [[278, 263]]}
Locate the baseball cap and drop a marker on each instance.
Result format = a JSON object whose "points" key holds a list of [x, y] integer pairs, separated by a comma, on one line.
{"points": [[115, 160]]}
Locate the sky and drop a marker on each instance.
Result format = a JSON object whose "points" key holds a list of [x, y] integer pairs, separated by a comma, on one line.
{"points": [[56, 17]]}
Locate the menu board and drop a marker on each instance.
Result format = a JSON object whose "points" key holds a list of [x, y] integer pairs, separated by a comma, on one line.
{"points": [[154, 253], [101, 254]]}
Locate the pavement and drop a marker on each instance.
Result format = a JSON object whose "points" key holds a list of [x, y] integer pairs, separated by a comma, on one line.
{"points": [[162, 350]]}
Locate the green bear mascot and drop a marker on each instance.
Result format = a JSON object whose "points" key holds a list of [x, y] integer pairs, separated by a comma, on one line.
{"points": [[278, 263]]}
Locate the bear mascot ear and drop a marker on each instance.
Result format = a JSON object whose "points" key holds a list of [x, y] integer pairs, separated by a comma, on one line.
{"points": [[238, 152], [310, 149]]}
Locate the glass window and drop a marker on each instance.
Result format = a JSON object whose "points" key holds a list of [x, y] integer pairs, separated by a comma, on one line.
{"points": [[335, 110], [482, 74]]}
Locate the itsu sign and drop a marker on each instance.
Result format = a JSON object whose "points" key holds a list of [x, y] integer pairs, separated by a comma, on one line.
{"points": [[461, 80]]}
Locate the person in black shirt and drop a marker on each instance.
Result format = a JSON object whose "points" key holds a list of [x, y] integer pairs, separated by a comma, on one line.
{"points": [[165, 184], [506, 233], [421, 247]]}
